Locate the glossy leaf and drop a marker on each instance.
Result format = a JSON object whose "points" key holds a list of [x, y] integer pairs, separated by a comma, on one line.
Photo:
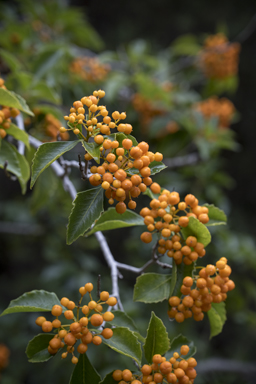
{"points": [[37, 351], [197, 229], [216, 216], [17, 164], [34, 301], [11, 60], [125, 342], [46, 154], [13, 100], [93, 149], [157, 340], [84, 372], [152, 288], [108, 379], [155, 166], [87, 208], [18, 134], [112, 220], [121, 319], [217, 318], [181, 271], [176, 343], [150, 194]]}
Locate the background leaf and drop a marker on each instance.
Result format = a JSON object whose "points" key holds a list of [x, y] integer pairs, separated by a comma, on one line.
{"points": [[125, 342], [46, 154], [157, 340], [18, 134], [197, 229], [17, 164], [217, 318], [87, 208], [110, 219], [34, 301], [37, 351], [152, 288], [176, 343], [11, 99], [84, 372]]}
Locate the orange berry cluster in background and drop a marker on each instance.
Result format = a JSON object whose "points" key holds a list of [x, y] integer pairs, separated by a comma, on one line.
{"points": [[89, 69], [124, 172], [147, 111], [47, 126], [4, 356], [175, 370], [219, 58], [167, 216], [5, 115], [78, 331], [211, 286], [222, 108]]}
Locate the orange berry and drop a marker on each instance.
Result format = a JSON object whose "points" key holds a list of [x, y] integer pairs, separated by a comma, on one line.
{"points": [[146, 237], [40, 320], [121, 207], [56, 310]]}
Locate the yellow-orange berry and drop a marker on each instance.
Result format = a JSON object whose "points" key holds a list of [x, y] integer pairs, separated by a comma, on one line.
{"points": [[107, 333], [96, 320], [40, 320]]}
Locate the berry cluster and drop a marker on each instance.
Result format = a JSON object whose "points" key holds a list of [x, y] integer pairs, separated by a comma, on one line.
{"points": [[176, 370], [5, 115], [219, 58], [211, 286], [125, 171], [89, 69], [47, 126], [147, 111], [4, 356], [222, 108], [69, 334], [167, 216]]}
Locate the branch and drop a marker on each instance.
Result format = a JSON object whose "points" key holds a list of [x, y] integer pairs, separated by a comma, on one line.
{"points": [[69, 187], [20, 124], [181, 161]]}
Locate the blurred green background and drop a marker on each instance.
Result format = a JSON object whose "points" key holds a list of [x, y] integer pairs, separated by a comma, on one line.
{"points": [[55, 52]]}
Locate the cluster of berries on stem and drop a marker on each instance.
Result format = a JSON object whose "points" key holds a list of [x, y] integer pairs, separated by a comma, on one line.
{"points": [[78, 330], [6, 113], [219, 58], [167, 216], [221, 108], [210, 286], [175, 370], [125, 169]]}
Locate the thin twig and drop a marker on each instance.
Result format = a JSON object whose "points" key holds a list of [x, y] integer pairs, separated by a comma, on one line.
{"points": [[20, 124]]}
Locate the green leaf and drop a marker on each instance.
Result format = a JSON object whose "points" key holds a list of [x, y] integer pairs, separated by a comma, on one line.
{"points": [[112, 220], [181, 271], [93, 149], [87, 208], [121, 136], [18, 134], [216, 216], [174, 278], [157, 340], [10, 60], [197, 229], [46, 154], [17, 164], [152, 288], [34, 301], [108, 379], [37, 351], [176, 343], [155, 166], [217, 318], [84, 372], [11, 99], [125, 342], [121, 319], [150, 194]]}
